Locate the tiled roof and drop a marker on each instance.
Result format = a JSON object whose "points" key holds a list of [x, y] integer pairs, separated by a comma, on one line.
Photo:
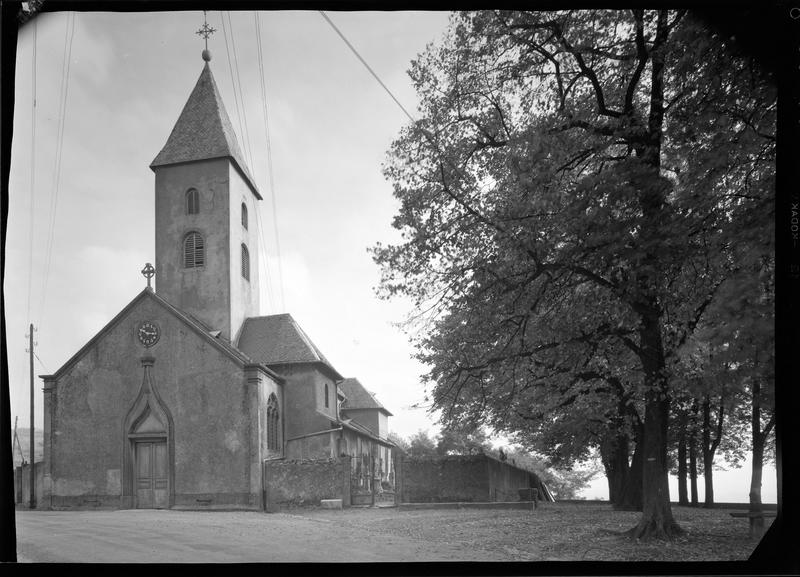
{"points": [[357, 397], [203, 131], [278, 339]]}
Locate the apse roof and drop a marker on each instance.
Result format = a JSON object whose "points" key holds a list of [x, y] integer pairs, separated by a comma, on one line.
{"points": [[357, 397], [278, 339], [204, 131]]}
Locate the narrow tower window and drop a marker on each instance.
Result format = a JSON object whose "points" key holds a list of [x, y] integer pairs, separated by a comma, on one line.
{"points": [[272, 423], [244, 216], [245, 262], [192, 201], [327, 402], [193, 250]]}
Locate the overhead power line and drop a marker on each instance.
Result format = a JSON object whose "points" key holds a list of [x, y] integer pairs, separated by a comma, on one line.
{"points": [[367, 66], [270, 174], [33, 172], [69, 35]]}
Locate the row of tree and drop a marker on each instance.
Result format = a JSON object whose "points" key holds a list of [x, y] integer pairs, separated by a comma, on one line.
{"points": [[587, 207], [564, 484]]}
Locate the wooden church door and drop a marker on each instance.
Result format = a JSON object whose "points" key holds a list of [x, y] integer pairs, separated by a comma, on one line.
{"points": [[152, 481]]}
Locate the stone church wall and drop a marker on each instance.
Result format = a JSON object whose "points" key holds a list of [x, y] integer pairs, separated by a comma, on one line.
{"points": [[213, 456]]}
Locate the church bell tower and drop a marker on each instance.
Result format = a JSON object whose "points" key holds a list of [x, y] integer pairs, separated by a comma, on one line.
{"points": [[206, 225]]}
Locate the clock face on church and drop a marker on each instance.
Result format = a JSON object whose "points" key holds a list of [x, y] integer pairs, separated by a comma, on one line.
{"points": [[148, 333]]}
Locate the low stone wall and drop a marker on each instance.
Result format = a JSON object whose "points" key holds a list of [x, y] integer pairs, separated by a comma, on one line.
{"points": [[505, 480], [461, 478], [292, 483], [446, 479]]}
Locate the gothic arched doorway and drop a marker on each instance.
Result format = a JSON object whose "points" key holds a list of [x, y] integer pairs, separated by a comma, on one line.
{"points": [[148, 454]]}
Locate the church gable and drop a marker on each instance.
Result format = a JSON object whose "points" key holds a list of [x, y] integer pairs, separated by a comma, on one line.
{"points": [[160, 307]]}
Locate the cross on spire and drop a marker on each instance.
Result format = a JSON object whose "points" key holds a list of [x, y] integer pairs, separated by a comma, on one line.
{"points": [[205, 31]]}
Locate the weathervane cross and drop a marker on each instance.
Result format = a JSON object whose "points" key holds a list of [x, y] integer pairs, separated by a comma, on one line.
{"points": [[149, 271], [206, 30]]}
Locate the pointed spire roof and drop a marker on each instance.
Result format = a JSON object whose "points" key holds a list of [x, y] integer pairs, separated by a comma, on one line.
{"points": [[204, 131]]}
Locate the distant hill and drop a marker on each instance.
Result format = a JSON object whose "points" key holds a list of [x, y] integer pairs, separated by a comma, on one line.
{"points": [[24, 440]]}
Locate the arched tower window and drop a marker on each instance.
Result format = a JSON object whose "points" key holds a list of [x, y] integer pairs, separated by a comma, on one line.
{"points": [[192, 201], [245, 262], [327, 401], [193, 250], [244, 215], [272, 423]]}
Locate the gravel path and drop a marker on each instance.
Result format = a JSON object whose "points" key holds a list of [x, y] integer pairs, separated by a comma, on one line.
{"points": [[554, 532]]}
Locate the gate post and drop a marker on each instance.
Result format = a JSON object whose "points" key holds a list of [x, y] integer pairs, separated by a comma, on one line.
{"points": [[345, 464]]}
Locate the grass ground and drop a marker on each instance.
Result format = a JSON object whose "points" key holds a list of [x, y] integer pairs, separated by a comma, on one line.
{"points": [[559, 532]]}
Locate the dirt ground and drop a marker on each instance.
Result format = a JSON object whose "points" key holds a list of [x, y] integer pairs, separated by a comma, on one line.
{"points": [[553, 532]]}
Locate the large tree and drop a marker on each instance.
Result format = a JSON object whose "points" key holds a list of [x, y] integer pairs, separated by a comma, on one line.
{"points": [[559, 196]]}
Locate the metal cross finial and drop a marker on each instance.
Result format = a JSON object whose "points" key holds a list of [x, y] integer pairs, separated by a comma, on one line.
{"points": [[149, 271], [206, 30]]}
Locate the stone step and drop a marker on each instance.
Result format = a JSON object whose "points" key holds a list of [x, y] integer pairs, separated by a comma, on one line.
{"points": [[331, 503]]}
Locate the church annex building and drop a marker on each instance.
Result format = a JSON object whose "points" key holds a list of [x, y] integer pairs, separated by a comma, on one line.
{"points": [[180, 399]]}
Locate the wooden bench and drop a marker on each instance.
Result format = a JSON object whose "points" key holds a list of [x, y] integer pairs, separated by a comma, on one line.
{"points": [[756, 529]]}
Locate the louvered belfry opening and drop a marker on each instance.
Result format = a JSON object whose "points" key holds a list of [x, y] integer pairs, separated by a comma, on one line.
{"points": [[193, 250], [192, 201], [272, 423], [245, 262]]}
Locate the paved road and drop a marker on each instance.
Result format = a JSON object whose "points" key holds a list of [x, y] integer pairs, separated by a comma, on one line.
{"points": [[151, 536]]}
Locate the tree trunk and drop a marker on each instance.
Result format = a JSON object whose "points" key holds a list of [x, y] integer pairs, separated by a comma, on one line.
{"points": [[683, 497], [614, 454], [756, 523], [708, 456], [759, 440], [693, 469], [710, 446], [630, 498], [657, 520]]}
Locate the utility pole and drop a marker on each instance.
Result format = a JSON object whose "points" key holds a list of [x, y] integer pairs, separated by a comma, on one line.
{"points": [[33, 442]]}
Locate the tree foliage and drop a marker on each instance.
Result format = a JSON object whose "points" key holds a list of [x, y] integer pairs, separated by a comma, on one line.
{"points": [[581, 187]]}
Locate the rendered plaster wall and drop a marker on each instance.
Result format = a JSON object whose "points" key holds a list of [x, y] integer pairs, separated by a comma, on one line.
{"points": [[204, 291], [244, 293], [215, 437], [303, 415], [321, 446], [365, 417], [306, 482]]}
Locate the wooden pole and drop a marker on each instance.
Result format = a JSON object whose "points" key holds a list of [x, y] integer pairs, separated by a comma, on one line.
{"points": [[33, 443]]}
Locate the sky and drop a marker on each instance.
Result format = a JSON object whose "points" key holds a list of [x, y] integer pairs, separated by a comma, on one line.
{"points": [[330, 127]]}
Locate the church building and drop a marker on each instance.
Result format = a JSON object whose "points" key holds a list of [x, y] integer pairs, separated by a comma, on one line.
{"points": [[184, 395]]}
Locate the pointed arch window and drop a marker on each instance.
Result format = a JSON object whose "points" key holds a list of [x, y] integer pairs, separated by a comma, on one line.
{"points": [[245, 262], [194, 255], [272, 423], [192, 201], [244, 216]]}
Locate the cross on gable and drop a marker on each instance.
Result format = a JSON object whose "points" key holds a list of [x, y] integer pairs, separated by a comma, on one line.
{"points": [[149, 272]]}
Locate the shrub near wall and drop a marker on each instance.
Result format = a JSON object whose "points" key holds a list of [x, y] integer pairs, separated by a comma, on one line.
{"points": [[293, 483]]}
